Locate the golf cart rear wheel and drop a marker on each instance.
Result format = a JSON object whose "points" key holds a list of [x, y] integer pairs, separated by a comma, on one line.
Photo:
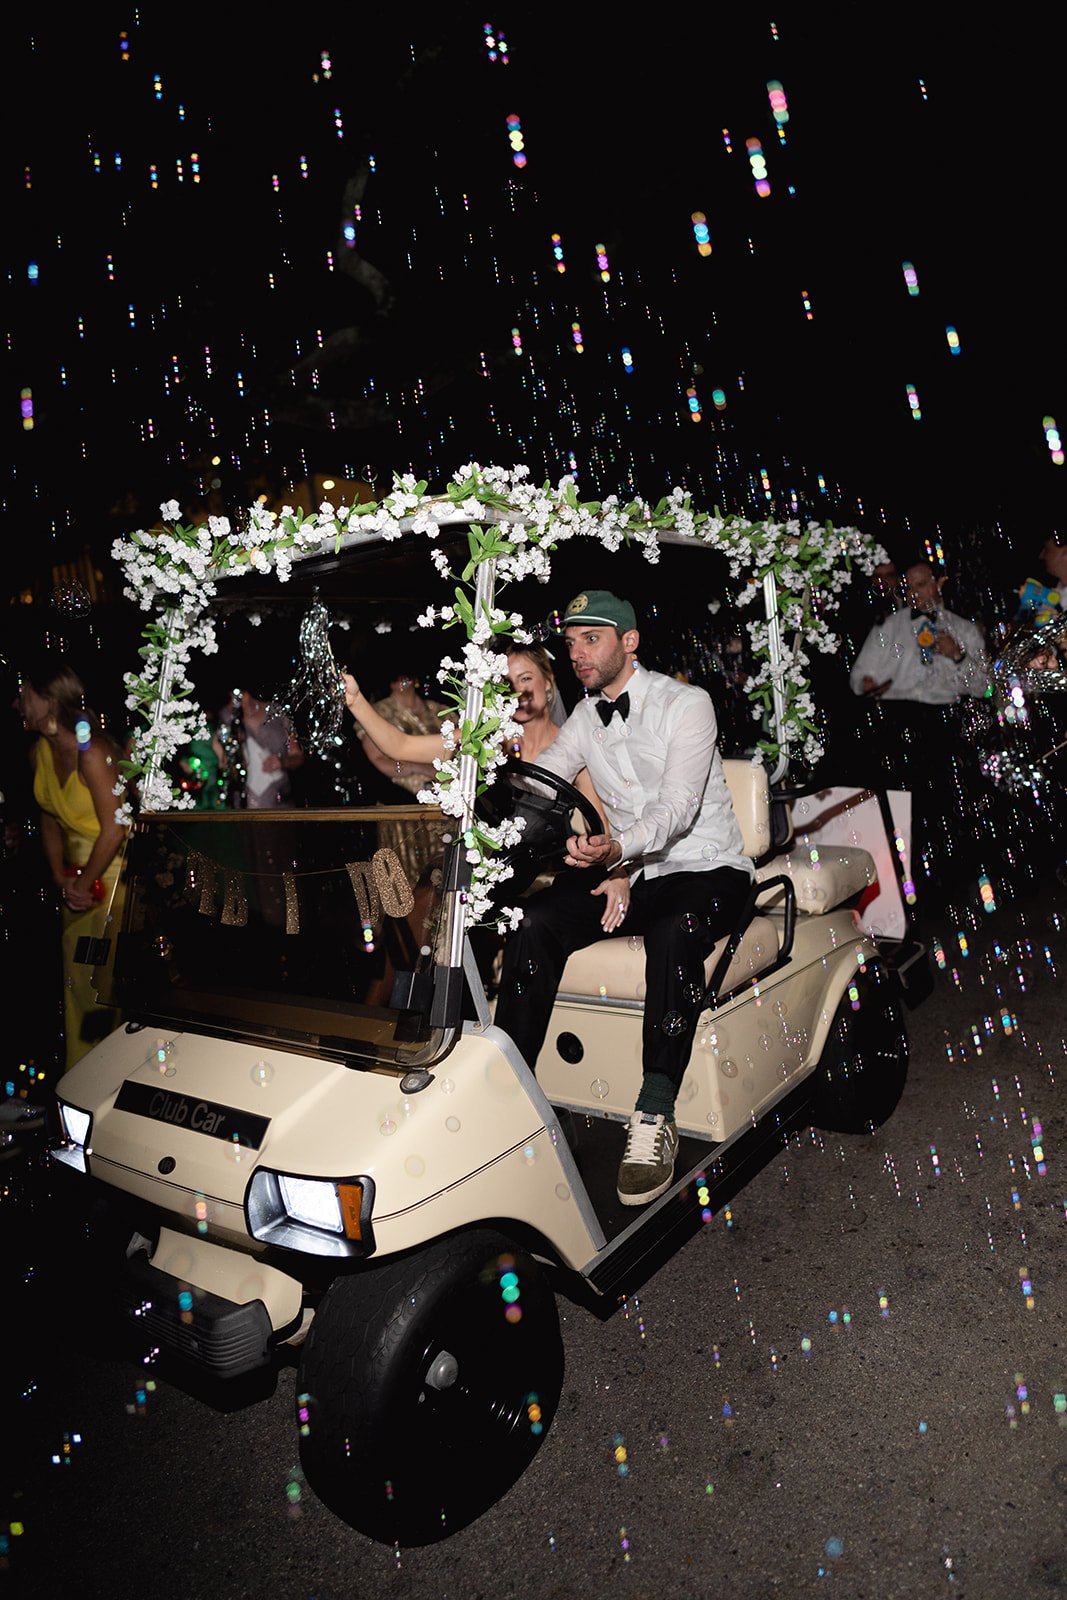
{"points": [[864, 1066], [426, 1386]]}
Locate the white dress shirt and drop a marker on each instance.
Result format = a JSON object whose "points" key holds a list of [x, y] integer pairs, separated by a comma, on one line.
{"points": [[659, 775], [892, 650]]}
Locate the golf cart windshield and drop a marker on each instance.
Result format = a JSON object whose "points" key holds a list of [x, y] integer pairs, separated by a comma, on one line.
{"points": [[320, 929]]}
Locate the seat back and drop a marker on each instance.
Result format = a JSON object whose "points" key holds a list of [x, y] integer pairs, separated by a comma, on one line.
{"points": [[750, 794]]}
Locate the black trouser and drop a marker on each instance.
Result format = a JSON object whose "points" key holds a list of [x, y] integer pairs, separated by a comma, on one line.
{"points": [[681, 916], [923, 749]]}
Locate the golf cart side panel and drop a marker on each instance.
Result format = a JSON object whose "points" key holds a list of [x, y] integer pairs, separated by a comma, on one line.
{"points": [[525, 1192], [829, 975], [472, 1144], [744, 1053]]}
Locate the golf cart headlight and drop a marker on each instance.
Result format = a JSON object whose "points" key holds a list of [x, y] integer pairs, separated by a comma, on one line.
{"points": [[321, 1216], [76, 1124], [313, 1201], [73, 1151]]}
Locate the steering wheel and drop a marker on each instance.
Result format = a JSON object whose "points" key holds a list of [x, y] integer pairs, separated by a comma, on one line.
{"points": [[548, 817]]}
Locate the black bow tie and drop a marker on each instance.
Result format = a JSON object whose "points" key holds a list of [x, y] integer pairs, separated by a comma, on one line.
{"points": [[929, 615], [607, 708]]}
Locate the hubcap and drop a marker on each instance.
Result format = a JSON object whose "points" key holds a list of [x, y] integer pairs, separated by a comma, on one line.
{"points": [[443, 1372]]}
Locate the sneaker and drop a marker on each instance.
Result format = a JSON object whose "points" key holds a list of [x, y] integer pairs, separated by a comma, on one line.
{"points": [[647, 1167]]}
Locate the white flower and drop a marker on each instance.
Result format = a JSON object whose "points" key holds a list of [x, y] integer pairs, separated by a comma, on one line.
{"points": [[175, 574]]}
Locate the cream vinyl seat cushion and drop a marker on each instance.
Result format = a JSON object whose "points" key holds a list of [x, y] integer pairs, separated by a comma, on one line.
{"points": [[614, 969], [823, 877]]}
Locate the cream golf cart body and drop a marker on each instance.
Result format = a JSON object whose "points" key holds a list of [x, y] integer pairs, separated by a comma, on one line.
{"points": [[309, 1134]]}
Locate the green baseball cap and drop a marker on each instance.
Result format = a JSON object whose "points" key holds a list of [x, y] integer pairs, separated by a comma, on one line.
{"points": [[599, 607]]}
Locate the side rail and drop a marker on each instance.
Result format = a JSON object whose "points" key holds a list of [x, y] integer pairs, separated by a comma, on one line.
{"points": [[712, 995]]}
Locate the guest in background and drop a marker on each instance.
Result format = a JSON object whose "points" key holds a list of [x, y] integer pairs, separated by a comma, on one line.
{"points": [[256, 747], [408, 710], [200, 773], [75, 774], [914, 672], [923, 652]]}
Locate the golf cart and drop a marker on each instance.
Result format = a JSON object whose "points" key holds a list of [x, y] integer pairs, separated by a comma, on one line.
{"points": [[308, 1134]]}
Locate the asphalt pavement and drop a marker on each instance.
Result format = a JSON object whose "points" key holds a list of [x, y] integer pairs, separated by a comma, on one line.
{"points": [[852, 1382]]}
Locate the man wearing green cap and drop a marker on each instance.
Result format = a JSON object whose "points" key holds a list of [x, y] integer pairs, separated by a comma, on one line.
{"points": [[649, 743]]}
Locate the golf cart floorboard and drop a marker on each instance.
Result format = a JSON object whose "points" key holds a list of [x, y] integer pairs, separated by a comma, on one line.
{"points": [[597, 1148], [707, 1176]]}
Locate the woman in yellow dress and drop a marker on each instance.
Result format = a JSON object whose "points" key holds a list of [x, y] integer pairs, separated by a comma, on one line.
{"points": [[75, 771]]}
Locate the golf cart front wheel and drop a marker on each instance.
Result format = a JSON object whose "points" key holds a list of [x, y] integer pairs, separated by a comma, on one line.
{"points": [[426, 1386]]}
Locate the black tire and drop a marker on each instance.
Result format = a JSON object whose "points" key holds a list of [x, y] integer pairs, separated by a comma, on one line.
{"points": [[422, 1397], [864, 1066]]}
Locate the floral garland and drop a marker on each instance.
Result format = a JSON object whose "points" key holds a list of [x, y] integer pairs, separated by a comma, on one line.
{"points": [[176, 569]]}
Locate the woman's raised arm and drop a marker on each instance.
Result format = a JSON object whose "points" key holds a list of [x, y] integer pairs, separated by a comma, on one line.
{"points": [[398, 746]]}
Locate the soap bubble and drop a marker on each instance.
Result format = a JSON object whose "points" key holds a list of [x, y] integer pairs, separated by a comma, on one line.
{"points": [[71, 600]]}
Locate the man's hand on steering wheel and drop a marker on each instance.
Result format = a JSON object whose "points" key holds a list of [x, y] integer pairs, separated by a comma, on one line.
{"points": [[548, 817]]}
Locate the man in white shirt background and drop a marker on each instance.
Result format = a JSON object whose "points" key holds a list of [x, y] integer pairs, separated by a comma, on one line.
{"points": [[923, 652], [916, 669], [649, 743]]}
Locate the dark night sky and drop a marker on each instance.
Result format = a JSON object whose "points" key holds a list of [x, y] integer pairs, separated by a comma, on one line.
{"points": [[623, 122]]}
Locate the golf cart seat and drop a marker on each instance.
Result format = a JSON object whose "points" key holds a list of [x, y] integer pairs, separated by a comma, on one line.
{"points": [[805, 879], [822, 876], [613, 970]]}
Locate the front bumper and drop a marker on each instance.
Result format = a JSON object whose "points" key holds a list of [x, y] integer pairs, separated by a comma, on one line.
{"points": [[202, 1329]]}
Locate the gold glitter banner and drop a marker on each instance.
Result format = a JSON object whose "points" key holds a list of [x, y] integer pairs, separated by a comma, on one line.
{"points": [[203, 880], [292, 904], [234, 905], [380, 885]]}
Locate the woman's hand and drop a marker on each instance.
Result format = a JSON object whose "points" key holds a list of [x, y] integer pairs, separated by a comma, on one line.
{"points": [[616, 892], [352, 692], [593, 850], [79, 893]]}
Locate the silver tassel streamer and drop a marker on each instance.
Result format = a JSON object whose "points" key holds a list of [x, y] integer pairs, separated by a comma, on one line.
{"points": [[315, 701]]}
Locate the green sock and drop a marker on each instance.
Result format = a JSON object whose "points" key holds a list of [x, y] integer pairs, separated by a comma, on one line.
{"points": [[657, 1096]]}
